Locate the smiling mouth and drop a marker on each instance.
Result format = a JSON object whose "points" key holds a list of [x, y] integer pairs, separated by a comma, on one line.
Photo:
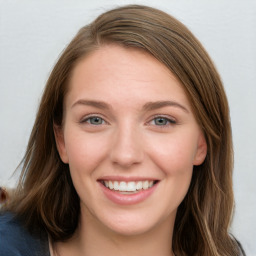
{"points": [[128, 187]]}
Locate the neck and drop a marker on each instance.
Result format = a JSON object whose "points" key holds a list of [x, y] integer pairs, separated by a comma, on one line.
{"points": [[92, 238]]}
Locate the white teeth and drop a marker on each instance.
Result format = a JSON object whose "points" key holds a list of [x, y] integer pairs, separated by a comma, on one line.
{"points": [[110, 185], [131, 186], [122, 186], [116, 185], [145, 184], [139, 185]]}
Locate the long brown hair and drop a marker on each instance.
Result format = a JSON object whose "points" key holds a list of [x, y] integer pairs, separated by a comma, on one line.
{"points": [[46, 197]]}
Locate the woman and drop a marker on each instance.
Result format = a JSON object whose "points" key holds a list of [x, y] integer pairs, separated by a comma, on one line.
{"points": [[131, 150]]}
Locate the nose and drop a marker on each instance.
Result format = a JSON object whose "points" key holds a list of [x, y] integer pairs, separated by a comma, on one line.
{"points": [[127, 147]]}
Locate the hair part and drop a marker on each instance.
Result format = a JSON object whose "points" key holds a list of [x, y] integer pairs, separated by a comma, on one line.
{"points": [[46, 196]]}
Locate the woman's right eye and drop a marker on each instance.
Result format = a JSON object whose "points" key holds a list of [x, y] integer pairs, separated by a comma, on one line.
{"points": [[94, 120]]}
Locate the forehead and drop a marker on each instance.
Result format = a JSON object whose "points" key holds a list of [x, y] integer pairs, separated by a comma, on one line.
{"points": [[124, 72]]}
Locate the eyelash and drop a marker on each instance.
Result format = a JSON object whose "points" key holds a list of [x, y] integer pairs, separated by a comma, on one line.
{"points": [[89, 118], [167, 121]]}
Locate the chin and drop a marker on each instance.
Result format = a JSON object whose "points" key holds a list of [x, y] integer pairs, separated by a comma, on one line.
{"points": [[131, 230], [135, 224]]}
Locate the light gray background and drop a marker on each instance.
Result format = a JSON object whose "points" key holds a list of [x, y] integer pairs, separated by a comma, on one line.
{"points": [[33, 33]]}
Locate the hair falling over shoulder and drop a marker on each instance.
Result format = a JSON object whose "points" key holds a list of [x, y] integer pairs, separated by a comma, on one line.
{"points": [[46, 197]]}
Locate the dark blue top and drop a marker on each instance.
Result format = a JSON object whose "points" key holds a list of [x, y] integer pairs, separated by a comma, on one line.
{"points": [[15, 240]]}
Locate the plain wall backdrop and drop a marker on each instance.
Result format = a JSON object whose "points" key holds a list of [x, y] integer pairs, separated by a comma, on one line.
{"points": [[33, 34]]}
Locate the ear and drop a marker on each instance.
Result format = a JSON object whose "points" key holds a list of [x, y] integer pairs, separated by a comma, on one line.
{"points": [[201, 150], [60, 143]]}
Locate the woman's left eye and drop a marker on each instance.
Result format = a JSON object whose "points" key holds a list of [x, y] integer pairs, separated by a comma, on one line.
{"points": [[162, 121], [94, 120]]}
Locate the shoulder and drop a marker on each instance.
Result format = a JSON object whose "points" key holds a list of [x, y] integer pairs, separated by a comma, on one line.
{"points": [[16, 240], [238, 246], [241, 249]]}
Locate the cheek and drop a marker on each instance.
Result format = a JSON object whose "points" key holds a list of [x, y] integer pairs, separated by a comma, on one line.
{"points": [[175, 159], [173, 154], [85, 151]]}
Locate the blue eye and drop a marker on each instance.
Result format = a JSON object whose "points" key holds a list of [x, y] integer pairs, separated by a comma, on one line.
{"points": [[162, 121], [94, 120]]}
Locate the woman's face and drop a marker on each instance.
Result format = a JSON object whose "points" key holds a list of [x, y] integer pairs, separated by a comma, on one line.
{"points": [[130, 139]]}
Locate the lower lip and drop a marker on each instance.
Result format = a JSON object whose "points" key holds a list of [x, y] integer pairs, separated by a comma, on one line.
{"points": [[127, 199]]}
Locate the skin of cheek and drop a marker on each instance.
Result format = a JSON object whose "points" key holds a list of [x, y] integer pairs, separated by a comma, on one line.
{"points": [[86, 153], [175, 159]]}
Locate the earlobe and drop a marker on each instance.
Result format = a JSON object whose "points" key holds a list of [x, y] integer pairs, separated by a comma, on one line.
{"points": [[201, 150], [60, 143]]}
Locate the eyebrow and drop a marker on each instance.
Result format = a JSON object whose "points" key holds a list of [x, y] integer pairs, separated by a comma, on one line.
{"points": [[93, 103], [147, 107], [160, 104]]}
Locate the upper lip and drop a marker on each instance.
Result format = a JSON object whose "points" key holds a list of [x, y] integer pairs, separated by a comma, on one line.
{"points": [[127, 179]]}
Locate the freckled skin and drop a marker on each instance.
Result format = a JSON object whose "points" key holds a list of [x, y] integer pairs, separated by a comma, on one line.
{"points": [[128, 141]]}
